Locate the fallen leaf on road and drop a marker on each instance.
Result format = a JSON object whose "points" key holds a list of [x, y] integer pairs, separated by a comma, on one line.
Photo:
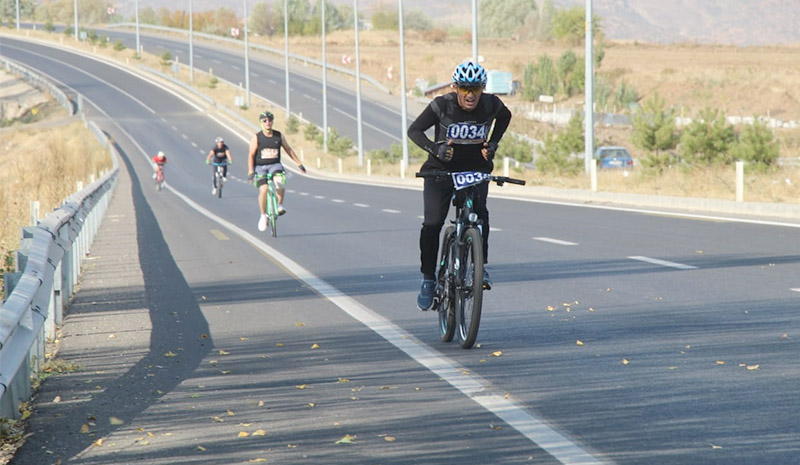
{"points": [[417, 388], [497, 353], [478, 346], [507, 396], [194, 396], [203, 297], [753, 367], [715, 446], [84, 428], [720, 362], [301, 386], [225, 372], [347, 439], [625, 361], [259, 432], [579, 342], [98, 443], [170, 354], [230, 413], [201, 448], [144, 443], [389, 438], [673, 368], [311, 404], [315, 346], [688, 346], [213, 362], [385, 387], [258, 460], [550, 308], [465, 372], [151, 434], [245, 424], [217, 419], [56, 399], [483, 360], [785, 336], [495, 427], [242, 338], [343, 380], [116, 421], [243, 434], [260, 403], [299, 324], [291, 446], [204, 336], [223, 352], [279, 344]]}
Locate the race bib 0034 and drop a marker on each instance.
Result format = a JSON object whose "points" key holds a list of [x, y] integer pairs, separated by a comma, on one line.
{"points": [[466, 179], [467, 133]]}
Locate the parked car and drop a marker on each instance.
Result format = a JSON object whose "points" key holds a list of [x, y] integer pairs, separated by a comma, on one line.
{"points": [[613, 157]]}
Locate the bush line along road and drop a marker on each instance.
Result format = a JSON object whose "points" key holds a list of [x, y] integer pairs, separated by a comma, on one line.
{"points": [[619, 337]]}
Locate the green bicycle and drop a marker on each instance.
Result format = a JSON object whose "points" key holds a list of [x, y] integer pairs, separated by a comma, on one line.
{"points": [[272, 200]]}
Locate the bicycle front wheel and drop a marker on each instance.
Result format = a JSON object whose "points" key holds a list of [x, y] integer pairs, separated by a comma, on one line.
{"points": [[219, 185], [469, 288], [446, 290]]}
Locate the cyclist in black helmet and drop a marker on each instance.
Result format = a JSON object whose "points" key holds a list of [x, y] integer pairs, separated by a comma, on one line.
{"points": [[464, 141], [220, 154], [264, 158]]}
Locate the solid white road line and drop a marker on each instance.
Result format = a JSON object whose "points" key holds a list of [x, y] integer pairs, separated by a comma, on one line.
{"points": [[554, 241], [666, 263], [389, 210], [361, 205]]}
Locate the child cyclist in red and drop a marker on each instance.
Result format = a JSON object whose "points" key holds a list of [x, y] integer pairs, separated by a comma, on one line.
{"points": [[158, 165]]}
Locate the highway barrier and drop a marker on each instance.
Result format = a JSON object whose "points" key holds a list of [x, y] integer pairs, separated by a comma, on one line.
{"points": [[48, 265], [41, 83]]}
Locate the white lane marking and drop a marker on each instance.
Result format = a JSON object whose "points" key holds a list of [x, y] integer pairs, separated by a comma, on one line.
{"points": [[421, 217], [304, 193], [216, 61], [374, 128], [194, 144], [201, 151], [174, 128], [554, 241], [307, 96], [656, 261], [162, 119], [236, 67], [291, 191], [492, 229], [337, 200], [480, 390], [389, 210], [795, 289], [185, 136], [361, 205], [272, 81], [255, 74], [319, 197]]}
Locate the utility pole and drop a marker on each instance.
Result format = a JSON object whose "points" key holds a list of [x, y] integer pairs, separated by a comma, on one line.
{"points": [[18, 15], [475, 31], [136, 14], [358, 89], [588, 156], [404, 104], [246, 58], [75, 7], [324, 86], [191, 43], [286, 52]]}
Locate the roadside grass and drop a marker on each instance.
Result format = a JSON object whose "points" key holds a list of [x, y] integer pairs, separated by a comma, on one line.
{"points": [[43, 165]]}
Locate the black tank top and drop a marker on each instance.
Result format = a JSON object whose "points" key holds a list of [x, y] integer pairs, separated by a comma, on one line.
{"points": [[268, 150], [219, 152]]}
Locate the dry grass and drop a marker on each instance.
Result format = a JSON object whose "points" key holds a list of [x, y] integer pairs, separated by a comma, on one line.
{"points": [[43, 165]]}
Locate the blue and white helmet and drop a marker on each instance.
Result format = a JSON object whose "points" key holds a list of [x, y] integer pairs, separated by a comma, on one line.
{"points": [[469, 74]]}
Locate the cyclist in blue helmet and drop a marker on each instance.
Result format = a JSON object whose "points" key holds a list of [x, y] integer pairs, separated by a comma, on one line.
{"points": [[468, 126]]}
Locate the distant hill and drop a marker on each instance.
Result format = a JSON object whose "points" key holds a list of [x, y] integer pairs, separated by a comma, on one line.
{"points": [[737, 22]]}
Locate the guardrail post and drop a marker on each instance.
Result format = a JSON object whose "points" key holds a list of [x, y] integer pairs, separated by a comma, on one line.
{"points": [[506, 166], [402, 170], [34, 212], [369, 167], [740, 181], [58, 300]]}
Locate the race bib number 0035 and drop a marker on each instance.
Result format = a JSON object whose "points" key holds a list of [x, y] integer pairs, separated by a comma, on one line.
{"points": [[466, 179], [467, 133]]}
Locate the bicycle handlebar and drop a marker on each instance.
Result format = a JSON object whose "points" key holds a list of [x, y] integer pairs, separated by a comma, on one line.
{"points": [[500, 180]]}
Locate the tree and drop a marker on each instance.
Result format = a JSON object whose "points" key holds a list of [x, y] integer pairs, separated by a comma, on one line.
{"points": [[385, 18], [567, 69], [516, 148], [559, 150], [706, 140], [539, 79], [569, 25], [265, 19], [625, 96], [503, 18], [8, 10], [756, 146], [544, 21], [654, 126], [417, 20]]}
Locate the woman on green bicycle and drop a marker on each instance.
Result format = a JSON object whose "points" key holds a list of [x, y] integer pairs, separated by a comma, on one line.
{"points": [[265, 158]]}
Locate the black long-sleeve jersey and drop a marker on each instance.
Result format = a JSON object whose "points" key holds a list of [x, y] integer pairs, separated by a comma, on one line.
{"points": [[467, 129]]}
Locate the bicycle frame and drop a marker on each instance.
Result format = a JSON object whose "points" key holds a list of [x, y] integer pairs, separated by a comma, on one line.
{"points": [[272, 200]]}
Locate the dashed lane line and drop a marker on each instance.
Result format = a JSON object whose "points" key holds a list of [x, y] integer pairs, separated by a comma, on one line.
{"points": [[555, 241], [361, 205], [337, 200], [319, 197], [389, 210], [656, 261]]}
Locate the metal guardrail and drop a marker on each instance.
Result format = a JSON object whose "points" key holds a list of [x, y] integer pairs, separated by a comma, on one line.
{"points": [[41, 83], [263, 48], [55, 250]]}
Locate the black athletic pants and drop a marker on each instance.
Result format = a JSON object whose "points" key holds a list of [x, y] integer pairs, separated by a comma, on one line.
{"points": [[436, 196], [214, 174]]}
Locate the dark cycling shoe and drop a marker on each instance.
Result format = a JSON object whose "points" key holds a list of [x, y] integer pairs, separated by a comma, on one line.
{"points": [[425, 297], [487, 281]]}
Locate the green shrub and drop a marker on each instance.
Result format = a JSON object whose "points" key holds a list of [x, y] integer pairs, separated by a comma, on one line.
{"points": [[166, 58], [706, 140], [68, 31], [654, 126], [49, 26], [339, 145], [119, 46], [558, 155], [516, 148], [292, 125], [312, 132], [756, 146], [212, 82]]}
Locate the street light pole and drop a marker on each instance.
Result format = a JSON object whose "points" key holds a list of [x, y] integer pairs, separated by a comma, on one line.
{"points": [[136, 14], [286, 52], [475, 31], [75, 7], [191, 43], [324, 86], [588, 155], [358, 89], [18, 15], [246, 59], [404, 104]]}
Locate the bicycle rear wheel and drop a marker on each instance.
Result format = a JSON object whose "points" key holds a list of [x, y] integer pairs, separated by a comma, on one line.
{"points": [[469, 288], [446, 290], [219, 185]]}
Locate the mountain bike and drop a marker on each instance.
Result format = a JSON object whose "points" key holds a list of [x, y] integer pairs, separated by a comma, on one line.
{"points": [[458, 297], [272, 200], [219, 179]]}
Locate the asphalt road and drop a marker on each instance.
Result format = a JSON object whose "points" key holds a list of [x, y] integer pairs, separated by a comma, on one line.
{"points": [[688, 328]]}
